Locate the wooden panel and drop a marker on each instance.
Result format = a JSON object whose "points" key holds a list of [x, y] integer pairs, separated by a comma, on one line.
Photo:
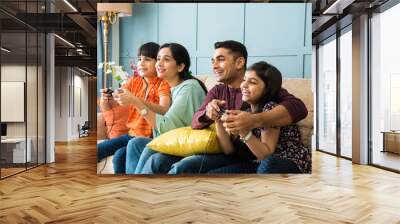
{"points": [[392, 142]]}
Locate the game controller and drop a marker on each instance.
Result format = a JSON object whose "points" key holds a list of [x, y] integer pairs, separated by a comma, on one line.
{"points": [[109, 91], [221, 111]]}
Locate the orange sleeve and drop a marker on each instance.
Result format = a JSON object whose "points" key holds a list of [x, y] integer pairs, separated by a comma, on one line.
{"points": [[164, 89], [129, 84]]}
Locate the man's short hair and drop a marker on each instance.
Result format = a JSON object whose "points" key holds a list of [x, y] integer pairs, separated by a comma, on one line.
{"points": [[235, 47]]}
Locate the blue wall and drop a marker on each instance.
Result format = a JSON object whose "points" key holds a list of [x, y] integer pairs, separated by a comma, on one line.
{"points": [[278, 33]]}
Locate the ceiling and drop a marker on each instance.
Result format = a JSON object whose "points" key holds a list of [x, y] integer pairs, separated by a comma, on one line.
{"points": [[78, 26]]}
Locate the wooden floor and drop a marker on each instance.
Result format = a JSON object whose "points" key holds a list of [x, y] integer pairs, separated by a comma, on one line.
{"points": [[69, 191], [387, 159]]}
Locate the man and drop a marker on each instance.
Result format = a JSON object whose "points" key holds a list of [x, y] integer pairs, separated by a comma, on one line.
{"points": [[229, 65]]}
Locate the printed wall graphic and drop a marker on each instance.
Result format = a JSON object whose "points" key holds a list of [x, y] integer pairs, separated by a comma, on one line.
{"points": [[190, 88]]}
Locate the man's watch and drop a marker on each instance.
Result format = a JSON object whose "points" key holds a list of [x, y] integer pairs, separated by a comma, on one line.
{"points": [[247, 137], [143, 112]]}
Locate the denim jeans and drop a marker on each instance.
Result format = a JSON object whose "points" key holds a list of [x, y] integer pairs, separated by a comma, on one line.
{"points": [[109, 147], [275, 164], [163, 163], [271, 164], [117, 147], [157, 163], [136, 154], [244, 167]]}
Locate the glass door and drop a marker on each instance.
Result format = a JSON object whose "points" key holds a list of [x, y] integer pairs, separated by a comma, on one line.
{"points": [[346, 92], [326, 95]]}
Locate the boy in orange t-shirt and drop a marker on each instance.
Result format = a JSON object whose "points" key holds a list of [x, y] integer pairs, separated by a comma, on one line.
{"points": [[151, 90]]}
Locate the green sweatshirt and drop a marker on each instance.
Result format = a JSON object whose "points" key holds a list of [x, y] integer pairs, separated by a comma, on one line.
{"points": [[186, 100]]}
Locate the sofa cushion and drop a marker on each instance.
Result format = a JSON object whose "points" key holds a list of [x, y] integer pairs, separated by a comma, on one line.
{"points": [[186, 142], [301, 88]]}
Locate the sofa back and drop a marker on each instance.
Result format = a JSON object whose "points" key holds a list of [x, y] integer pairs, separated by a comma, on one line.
{"points": [[301, 88]]}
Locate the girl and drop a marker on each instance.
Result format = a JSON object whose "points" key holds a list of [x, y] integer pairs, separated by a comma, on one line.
{"points": [[146, 88], [279, 148]]}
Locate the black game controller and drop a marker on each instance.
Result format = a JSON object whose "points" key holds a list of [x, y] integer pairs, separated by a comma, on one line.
{"points": [[221, 111], [109, 91]]}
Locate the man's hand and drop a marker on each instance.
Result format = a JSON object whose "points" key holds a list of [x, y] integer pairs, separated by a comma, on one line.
{"points": [[124, 97], [238, 122], [213, 109]]}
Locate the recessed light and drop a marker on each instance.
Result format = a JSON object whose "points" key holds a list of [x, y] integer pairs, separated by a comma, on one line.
{"points": [[70, 5], [5, 49]]}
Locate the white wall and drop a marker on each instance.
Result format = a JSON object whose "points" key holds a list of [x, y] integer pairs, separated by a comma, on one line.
{"points": [[70, 83]]}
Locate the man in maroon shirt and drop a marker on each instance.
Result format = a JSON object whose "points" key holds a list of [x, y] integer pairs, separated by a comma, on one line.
{"points": [[229, 65]]}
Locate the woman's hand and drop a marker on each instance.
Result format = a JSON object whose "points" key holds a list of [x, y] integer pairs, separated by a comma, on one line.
{"points": [[124, 97]]}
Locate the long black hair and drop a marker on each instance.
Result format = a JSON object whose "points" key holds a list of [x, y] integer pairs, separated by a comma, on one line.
{"points": [[272, 79], [181, 56], [149, 49]]}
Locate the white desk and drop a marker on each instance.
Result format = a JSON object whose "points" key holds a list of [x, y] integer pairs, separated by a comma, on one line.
{"points": [[18, 144]]}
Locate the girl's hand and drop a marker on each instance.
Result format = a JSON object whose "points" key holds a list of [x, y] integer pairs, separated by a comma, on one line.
{"points": [[238, 122], [124, 97]]}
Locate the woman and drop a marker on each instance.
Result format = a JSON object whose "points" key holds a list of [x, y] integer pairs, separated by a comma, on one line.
{"points": [[188, 93], [146, 88], [279, 148]]}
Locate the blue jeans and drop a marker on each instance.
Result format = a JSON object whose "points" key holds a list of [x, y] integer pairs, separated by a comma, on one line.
{"points": [[275, 164], [163, 163], [117, 147], [271, 164], [136, 154], [156, 162], [244, 167]]}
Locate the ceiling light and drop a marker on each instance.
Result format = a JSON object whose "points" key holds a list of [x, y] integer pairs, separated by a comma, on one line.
{"points": [[338, 6], [65, 41], [70, 5], [5, 49], [86, 72]]}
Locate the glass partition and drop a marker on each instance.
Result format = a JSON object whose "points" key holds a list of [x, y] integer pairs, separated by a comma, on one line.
{"points": [[327, 96], [22, 88], [346, 93], [385, 89]]}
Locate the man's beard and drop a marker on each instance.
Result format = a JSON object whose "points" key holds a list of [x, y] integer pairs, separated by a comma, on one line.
{"points": [[227, 79]]}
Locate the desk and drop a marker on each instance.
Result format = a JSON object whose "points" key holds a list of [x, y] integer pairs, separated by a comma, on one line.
{"points": [[15, 148], [391, 141]]}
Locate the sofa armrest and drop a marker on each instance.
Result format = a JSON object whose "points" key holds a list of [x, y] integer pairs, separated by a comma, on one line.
{"points": [[101, 127]]}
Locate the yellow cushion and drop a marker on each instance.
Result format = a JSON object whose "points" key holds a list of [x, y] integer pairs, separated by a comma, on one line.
{"points": [[186, 141]]}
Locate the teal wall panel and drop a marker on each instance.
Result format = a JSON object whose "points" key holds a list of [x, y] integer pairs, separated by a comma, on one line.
{"points": [[278, 33], [271, 28], [136, 30], [307, 66], [218, 22], [291, 66], [179, 26], [204, 66]]}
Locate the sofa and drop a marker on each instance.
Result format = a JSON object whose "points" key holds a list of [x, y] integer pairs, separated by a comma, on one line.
{"points": [[301, 88]]}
